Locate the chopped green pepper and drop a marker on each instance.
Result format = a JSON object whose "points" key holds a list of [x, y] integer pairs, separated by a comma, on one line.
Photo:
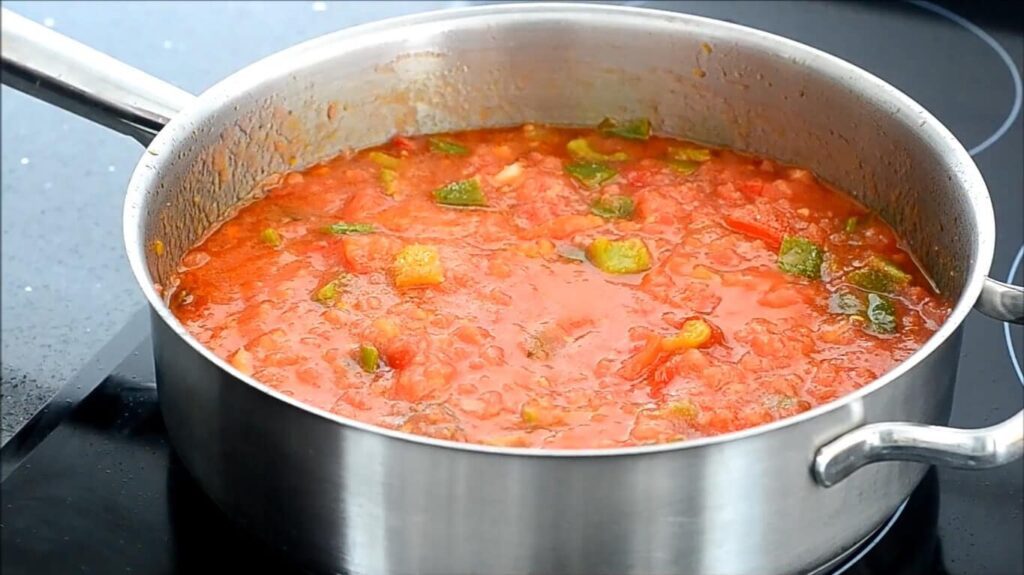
{"points": [[613, 207], [271, 237], [685, 167], [580, 150], [530, 414], [328, 294], [369, 358], [635, 129], [851, 224], [689, 154], [628, 256], [879, 276], [687, 160], [449, 147], [345, 228], [590, 174], [384, 160], [801, 257], [389, 179], [881, 314], [845, 303], [462, 193]]}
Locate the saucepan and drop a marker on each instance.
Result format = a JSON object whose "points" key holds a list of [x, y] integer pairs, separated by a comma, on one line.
{"points": [[792, 496]]}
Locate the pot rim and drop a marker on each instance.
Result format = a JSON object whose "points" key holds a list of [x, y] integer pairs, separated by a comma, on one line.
{"points": [[177, 133]]}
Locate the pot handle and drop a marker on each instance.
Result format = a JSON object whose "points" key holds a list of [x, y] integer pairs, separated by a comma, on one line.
{"points": [[1001, 301], [962, 448], [56, 69]]}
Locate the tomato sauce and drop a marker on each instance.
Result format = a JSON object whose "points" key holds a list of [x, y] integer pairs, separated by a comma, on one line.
{"points": [[517, 287]]}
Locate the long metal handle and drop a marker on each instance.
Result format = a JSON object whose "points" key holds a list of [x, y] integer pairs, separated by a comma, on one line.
{"points": [[70, 75], [962, 448]]}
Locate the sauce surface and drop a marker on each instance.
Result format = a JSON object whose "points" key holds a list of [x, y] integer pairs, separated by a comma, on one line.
{"points": [[517, 287]]}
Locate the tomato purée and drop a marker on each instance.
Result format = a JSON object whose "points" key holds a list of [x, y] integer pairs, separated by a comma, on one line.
{"points": [[556, 287]]}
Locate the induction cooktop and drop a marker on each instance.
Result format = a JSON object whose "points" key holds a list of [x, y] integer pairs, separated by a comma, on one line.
{"points": [[91, 485]]}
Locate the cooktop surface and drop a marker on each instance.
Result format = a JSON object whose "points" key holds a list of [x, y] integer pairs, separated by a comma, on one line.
{"points": [[91, 485]]}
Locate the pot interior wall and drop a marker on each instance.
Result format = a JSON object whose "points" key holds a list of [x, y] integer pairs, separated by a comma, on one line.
{"points": [[694, 78]]}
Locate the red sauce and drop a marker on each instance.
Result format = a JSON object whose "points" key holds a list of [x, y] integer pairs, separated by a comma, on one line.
{"points": [[522, 344]]}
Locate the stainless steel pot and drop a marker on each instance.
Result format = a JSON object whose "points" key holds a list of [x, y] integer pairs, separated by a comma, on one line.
{"points": [[346, 496]]}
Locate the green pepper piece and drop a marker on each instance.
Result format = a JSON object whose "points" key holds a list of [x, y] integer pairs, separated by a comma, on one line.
{"points": [[898, 276], [530, 414], [449, 147], [845, 303], [463, 193], [330, 291], [689, 154], [326, 293], [610, 207], [851, 224], [389, 179], [685, 167], [345, 228], [589, 174], [687, 160], [635, 129], [271, 237], [879, 276], [881, 314], [628, 256], [870, 280], [369, 358], [801, 257], [580, 150], [384, 160]]}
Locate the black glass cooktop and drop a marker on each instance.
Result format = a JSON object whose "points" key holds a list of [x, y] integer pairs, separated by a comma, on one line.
{"points": [[91, 485]]}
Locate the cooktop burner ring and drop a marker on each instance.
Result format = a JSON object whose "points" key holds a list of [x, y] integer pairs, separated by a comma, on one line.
{"points": [[1007, 335], [851, 557], [961, 22], [1018, 87]]}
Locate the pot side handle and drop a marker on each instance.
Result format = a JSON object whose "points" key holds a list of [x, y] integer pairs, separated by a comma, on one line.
{"points": [[1001, 301], [56, 69], [962, 448]]}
